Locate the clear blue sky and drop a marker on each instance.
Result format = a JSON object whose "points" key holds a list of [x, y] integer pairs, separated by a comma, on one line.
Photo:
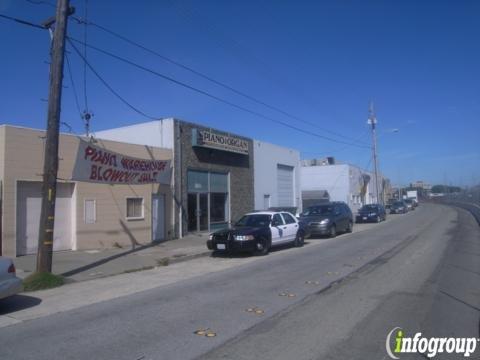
{"points": [[322, 61]]}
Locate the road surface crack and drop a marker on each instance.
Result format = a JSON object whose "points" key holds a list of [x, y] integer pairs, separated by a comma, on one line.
{"points": [[460, 300]]}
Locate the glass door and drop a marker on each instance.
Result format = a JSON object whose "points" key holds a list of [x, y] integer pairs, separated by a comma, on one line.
{"points": [[198, 212], [203, 212], [192, 212]]}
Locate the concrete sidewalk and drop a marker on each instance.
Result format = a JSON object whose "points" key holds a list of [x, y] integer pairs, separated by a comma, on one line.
{"points": [[90, 264]]}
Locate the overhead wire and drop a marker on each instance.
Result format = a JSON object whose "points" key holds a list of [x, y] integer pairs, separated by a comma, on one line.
{"points": [[177, 82], [24, 22], [251, 58], [105, 83], [209, 78], [41, 2], [210, 95], [343, 148], [85, 55], [75, 94]]}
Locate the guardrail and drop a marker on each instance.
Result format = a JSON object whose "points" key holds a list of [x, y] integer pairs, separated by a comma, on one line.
{"points": [[472, 207]]}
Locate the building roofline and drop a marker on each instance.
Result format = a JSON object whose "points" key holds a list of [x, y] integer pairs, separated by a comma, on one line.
{"points": [[349, 164], [83, 137], [276, 145]]}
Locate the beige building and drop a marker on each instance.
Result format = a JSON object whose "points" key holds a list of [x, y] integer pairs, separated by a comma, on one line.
{"points": [[87, 215]]}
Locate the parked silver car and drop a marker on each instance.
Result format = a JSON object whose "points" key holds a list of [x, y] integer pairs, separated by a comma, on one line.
{"points": [[9, 283]]}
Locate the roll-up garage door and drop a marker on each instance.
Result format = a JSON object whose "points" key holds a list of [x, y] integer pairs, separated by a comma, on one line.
{"points": [[29, 201], [285, 185]]}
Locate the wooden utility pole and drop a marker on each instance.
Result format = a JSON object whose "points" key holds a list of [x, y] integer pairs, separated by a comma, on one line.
{"points": [[372, 120], [50, 165]]}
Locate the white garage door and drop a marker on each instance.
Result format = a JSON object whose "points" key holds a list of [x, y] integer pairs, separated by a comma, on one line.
{"points": [[29, 199], [285, 185]]}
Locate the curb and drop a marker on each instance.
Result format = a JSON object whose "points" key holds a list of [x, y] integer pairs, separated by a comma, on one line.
{"points": [[170, 260]]}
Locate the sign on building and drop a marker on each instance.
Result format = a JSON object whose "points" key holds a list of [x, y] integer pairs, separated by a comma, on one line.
{"points": [[213, 140], [99, 165]]}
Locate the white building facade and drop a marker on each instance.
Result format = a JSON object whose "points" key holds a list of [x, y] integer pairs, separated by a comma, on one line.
{"points": [[276, 177], [343, 182]]}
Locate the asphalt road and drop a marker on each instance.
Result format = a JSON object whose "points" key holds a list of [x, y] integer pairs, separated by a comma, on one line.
{"points": [[419, 271]]}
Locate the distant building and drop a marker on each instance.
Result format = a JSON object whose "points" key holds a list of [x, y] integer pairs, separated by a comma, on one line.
{"points": [[342, 182], [421, 185]]}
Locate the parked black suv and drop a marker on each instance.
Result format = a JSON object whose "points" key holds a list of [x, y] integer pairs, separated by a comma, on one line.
{"points": [[398, 207], [371, 212], [328, 219]]}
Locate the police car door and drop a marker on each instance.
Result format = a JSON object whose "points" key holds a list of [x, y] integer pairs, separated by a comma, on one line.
{"points": [[277, 228]]}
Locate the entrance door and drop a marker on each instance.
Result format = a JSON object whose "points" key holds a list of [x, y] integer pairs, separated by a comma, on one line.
{"points": [[198, 212], [158, 217], [202, 212]]}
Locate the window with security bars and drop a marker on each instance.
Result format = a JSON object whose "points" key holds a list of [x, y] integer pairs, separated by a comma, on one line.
{"points": [[134, 208]]}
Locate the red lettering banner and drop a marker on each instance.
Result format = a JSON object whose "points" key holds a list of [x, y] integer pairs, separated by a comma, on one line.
{"points": [[95, 164]]}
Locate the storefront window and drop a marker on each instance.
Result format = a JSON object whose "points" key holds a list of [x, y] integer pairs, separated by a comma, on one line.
{"points": [[197, 181], [213, 189], [218, 183]]}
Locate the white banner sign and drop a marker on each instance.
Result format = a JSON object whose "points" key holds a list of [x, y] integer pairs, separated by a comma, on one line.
{"points": [[95, 164]]}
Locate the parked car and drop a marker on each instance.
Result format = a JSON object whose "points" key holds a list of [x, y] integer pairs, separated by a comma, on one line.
{"points": [[371, 212], [410, 204], [9, 283], [389, 203], [415, 202], [398, 207], [328, 219], [258, 232]]}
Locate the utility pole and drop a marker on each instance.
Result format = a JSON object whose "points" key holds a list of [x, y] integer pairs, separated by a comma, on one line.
{"points": [[372, 120], [50, 165]]}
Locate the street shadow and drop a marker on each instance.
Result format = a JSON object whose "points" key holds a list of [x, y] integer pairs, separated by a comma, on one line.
{"points": [[108, 259], [319, 237], [17, 302], [246, 254]]}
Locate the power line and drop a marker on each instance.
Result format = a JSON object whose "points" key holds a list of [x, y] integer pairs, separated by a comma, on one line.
{"points": [[69, 68], [107, 85], [24, 22], [40, 2], [336, 151], [165, 77], [205, 93], [209, 78], [240, 51], [368, 164], [85, 55], [87, 115]]}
